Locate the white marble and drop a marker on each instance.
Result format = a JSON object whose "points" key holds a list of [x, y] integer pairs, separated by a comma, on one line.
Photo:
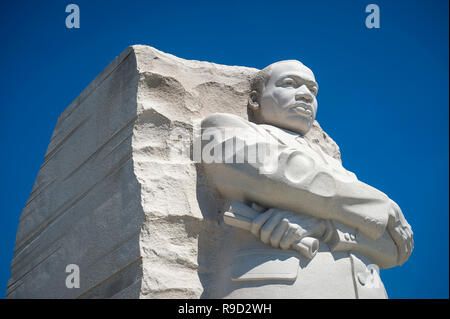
{"points": [[304, 193], [119, 195]]}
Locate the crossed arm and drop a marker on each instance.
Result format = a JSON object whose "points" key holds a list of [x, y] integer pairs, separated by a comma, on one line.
{"points": [[296, 185]]}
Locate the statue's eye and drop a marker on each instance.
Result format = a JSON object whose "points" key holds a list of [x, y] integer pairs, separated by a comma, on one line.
{"points": [[288, 82], [313, 90]]}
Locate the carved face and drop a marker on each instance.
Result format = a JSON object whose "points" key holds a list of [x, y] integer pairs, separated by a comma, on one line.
{"points": [[288, 99]]}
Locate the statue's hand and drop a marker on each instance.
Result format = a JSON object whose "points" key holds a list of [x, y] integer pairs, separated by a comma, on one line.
{"points": [[401, 233], [282, 229]]}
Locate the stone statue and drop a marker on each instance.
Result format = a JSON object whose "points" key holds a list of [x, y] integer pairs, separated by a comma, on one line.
{"points": [[120, 194], [308, 228]]}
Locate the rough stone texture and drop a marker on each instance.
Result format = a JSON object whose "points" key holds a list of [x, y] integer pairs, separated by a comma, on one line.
{"points": [[118, 195]]}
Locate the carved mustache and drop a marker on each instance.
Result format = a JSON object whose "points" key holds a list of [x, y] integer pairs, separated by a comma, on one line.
{"points": [[303, 108]]}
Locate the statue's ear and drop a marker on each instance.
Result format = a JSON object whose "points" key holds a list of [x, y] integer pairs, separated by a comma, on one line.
{"points": [[253, 100]]}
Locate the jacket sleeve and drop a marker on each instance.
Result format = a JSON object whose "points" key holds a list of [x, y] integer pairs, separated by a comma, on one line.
{"points": [[243, 162]]}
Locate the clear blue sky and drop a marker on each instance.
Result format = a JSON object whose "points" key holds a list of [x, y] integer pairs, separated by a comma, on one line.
{"points": [[383, 92]]}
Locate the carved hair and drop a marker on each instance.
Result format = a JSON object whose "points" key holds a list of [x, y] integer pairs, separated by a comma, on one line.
{"points": [[259, 80]]}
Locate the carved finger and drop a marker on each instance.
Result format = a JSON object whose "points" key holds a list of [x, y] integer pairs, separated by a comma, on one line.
{"points": [[410, 247], [259, 221], [278, 233], [410, 232], [398, 242], [393, 234], [410, 240], [269, 226], [290, 236], [402, 253], [403, 234], [397, 235], [320, 229]]}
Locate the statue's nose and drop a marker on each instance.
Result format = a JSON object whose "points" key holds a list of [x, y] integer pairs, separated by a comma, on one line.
{"points": [[303, 94]]}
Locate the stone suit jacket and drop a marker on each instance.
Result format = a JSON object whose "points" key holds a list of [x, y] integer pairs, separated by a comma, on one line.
{"points": [[303, 179]]}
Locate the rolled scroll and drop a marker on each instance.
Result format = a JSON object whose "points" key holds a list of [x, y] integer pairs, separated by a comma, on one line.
{"points": [[242, 216]]}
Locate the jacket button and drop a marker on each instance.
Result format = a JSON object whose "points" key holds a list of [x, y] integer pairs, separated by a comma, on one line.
{"points": [[362, 278]]}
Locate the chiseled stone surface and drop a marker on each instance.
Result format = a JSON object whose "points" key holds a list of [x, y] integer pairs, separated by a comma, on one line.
{"points": [[116, 193]]}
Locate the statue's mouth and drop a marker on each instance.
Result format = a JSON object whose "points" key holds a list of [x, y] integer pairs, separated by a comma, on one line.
{"points": [[303, 109]]}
